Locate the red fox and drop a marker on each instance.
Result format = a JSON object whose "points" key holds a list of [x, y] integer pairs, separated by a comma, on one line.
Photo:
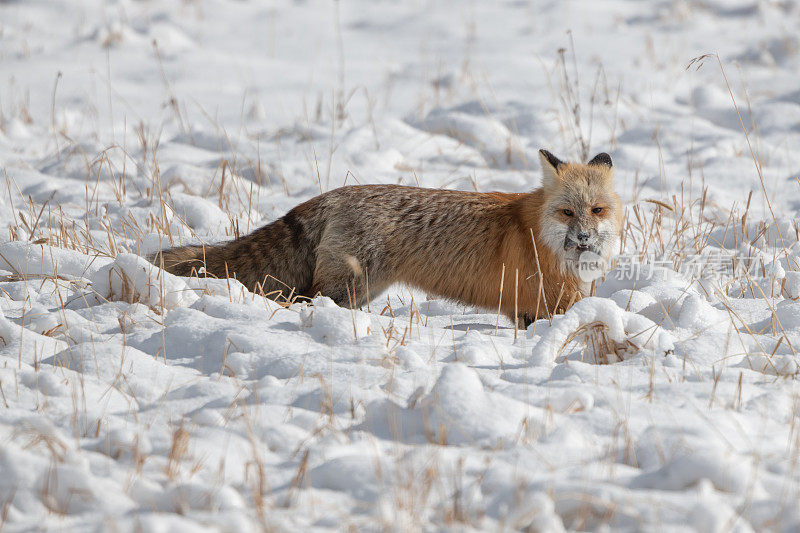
{"points": [[511, 252]]}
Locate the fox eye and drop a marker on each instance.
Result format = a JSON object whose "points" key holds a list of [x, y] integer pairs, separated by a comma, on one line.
{"points": [[567, 212], [597, 210]]}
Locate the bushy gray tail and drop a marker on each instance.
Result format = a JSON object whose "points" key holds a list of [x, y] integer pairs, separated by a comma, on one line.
{"points": [[280, 256]]}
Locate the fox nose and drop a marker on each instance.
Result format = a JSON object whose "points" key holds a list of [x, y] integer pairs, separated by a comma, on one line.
{"points": [[583, 237]]}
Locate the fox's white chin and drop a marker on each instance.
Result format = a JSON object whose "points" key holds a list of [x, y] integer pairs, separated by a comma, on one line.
{"points": [[554, 235]]}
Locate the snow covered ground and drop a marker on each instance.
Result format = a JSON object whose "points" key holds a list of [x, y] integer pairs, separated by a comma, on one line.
{"points": [[134, 400]]}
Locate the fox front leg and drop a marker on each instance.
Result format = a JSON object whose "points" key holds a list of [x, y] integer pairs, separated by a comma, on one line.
{"points": [[525, 320]]}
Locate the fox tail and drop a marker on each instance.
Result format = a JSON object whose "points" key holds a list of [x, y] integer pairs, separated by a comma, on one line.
{"points": [[183, 260]]}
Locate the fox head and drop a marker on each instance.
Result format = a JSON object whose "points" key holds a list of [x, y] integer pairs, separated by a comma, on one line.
{"points": [[581, 211]]}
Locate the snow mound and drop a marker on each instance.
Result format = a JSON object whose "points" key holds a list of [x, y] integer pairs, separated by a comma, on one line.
{"points": [[458, 410], [31, 347], [131, 278], [499, 147], [620, 326], [773, 365], [329, 323], [30, 260]]}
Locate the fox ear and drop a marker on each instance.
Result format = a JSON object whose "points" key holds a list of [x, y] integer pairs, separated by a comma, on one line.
{"points": [[550, 167], [601, 159]]}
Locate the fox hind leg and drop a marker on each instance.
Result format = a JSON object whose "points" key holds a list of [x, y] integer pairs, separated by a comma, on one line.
{"points": [[349, 268], [345, 280]]}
